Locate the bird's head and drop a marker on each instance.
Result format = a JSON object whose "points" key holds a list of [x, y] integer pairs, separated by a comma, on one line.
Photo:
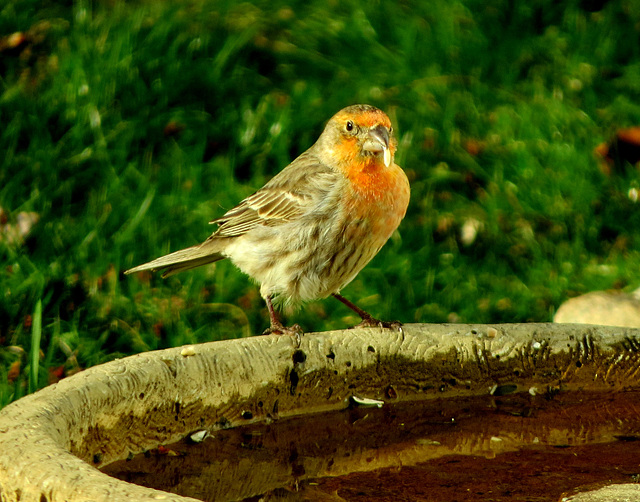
{"points": [[359, 136]]}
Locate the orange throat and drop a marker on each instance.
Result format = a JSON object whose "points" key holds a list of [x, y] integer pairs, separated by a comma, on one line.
{"points": [[371, 178]]}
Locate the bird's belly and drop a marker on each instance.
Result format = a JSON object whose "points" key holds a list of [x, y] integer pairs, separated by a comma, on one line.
{"points": [[287, 261], [297, 263]]}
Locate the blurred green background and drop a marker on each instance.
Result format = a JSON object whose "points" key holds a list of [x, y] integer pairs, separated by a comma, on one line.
{"points": [[126, 126]]}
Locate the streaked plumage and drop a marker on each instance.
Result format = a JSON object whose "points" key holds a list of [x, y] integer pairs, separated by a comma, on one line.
{"points": [[309, 231]]}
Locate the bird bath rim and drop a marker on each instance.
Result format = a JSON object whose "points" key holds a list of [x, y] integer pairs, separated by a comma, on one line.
{"points": [[52, 442]]}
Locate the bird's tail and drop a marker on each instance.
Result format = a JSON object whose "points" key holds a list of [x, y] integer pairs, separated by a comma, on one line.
{"points": [[179, 261]]}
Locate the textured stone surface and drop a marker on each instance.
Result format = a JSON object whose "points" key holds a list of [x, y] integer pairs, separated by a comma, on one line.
{"points": [[602, 307], [51, 442], [613, 493]]}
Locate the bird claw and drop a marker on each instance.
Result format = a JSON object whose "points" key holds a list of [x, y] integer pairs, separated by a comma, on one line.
{"points": [[279, 329], [372, 322]]}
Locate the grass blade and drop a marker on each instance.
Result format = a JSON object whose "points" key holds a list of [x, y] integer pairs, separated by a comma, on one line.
{"points": [[36, 335]]}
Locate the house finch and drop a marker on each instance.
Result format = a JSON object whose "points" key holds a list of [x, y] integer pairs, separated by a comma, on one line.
{"points": [[308, 232]]}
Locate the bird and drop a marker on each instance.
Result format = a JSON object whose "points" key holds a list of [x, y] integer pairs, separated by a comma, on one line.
{"points": [[314, 226]]}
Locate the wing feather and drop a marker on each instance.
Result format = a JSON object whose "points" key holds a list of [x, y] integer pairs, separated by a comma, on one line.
{"points": [[288, 195]]}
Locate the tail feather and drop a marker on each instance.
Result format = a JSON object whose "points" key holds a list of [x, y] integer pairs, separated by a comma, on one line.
{"points": [[179, 261]]}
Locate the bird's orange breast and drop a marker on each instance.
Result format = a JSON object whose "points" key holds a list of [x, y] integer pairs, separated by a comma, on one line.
{"points": [[378, 195]]}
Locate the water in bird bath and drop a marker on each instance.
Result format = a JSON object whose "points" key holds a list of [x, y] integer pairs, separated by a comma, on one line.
{"points": [[533, 446]]}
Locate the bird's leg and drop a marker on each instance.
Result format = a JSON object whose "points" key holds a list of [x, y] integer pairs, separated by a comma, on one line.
{"points": [[368, 321], [276, 325], [363, 314], [277, 328]]}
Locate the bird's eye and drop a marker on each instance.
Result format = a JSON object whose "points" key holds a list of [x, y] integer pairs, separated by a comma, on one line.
{"points": [[349, 126]]}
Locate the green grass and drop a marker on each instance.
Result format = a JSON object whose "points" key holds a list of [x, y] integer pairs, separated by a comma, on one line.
{"points": [[127, 126], [34, 355]]}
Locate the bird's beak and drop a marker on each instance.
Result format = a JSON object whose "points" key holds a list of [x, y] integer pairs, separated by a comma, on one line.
{"points": [[378, 141]]}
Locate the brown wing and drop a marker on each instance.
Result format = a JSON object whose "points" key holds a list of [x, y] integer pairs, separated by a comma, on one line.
{"points": [[288, 195], [300, 187]]}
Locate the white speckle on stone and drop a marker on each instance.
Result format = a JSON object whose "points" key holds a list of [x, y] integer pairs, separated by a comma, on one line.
{"points": [[199, 437], [365, 401]]}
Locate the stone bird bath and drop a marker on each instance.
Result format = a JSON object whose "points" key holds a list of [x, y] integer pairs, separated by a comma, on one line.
{"points": [[53, 442]]}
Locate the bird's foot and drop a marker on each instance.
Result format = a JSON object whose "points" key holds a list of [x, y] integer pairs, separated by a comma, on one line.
{"points": [[372, 322], [280, 329], [368, 321]]}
